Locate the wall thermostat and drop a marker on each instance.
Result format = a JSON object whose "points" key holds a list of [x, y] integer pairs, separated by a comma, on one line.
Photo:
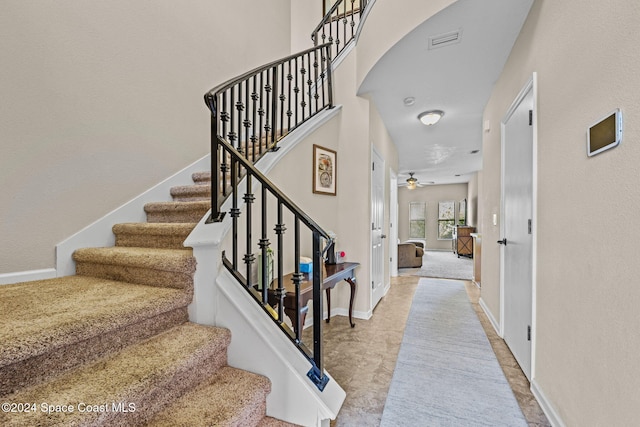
{"points": [[605, 133]]}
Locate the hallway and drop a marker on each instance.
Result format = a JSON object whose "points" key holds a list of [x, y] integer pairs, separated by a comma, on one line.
{"points": [[363, 359]]}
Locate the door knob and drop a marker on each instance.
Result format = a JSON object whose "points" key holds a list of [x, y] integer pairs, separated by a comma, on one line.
{"points": [[502, 242], [384, 236]]}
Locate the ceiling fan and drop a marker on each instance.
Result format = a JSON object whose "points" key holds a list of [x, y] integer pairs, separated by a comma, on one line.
{"points": [[412, 182]]}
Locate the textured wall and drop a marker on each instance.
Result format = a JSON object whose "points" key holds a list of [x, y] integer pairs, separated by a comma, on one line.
{"points": [[101, 100], [587, 286]]}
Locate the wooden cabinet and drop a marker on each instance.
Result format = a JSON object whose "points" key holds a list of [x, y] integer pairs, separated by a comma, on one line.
{"points": [[464, 241]]}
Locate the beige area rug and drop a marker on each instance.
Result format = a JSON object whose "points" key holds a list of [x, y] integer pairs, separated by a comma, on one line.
{"points": [[442, 265]]}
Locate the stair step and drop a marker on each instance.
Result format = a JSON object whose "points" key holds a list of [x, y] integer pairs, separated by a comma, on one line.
{"points": [[231, 397], [177, 211], [196, 192], [173, 268], [152, 235], [50, 326], [201, 177], [140, 379]]}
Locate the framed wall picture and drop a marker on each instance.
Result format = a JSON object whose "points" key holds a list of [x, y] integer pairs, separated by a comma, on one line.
{"points": [[324, 170]]}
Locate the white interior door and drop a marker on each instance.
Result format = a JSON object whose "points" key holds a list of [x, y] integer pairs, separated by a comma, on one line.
{"points": [[517, 228], [377, 229]]}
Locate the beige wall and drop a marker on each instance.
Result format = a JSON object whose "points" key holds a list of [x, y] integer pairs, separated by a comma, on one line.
{"points": [[587, 285], [102, 100], [351, 134], [472, 200], [431, 195]]}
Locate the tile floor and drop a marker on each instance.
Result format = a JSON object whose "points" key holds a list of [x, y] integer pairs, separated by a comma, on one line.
{"points": [[362, 359]]}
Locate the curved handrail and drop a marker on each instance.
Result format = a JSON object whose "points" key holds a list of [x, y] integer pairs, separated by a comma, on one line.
{"points": [[339, 21], [256, 109], [233, 81]]}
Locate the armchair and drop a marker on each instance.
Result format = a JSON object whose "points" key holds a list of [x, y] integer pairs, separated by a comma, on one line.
{"points": [[409, 255]]}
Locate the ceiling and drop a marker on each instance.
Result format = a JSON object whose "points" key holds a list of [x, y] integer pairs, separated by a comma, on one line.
{"points": [[455, 77]]}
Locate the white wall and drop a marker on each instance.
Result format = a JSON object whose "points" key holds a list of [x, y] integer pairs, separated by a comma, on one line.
{"points": [[101, 100], [388, 22], [587, 284]]}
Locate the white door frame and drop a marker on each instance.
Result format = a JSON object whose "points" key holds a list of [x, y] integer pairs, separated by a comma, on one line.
{"points": [[377, 263], [531, 85], [393, 223]]}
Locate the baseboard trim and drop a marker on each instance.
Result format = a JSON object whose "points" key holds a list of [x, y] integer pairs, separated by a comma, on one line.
{"points": [[363, 315], [492, 319], [546, 406], [27, 276]]}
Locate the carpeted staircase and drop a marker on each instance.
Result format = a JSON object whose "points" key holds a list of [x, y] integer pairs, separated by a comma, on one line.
{"points": [[113, 345]]}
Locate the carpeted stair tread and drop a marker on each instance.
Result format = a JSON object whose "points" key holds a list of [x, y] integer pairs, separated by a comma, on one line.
{"points": [[146, 266], [201, 177], [232, 397], [146, 375], [47, 316], [177, 211], [153, 235], [195, 192]]}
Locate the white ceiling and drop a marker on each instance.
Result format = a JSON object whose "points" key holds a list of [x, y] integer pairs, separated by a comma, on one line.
{"points": [[457, 78]]}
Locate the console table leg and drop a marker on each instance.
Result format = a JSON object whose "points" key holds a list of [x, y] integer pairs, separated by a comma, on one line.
{"points": [[352, 282]]}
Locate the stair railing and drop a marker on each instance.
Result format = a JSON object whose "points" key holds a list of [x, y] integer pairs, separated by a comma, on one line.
{"points": [[249, 115], [257, 109], [339, 25], [267, 292]]}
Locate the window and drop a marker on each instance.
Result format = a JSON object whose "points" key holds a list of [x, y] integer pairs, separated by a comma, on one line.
{"points": [[417, 220], [462, 212], [446, 219]]}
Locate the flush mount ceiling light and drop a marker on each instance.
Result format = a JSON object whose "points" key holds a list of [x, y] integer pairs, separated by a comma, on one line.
{"points": [[429, 118]]}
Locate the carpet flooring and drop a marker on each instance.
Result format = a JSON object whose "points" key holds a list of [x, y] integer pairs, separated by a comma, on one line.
{"points": [[446, 355], [443, 265]]}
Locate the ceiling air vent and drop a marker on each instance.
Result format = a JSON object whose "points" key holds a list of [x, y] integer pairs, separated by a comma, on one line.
{"points": [[446, 39]]}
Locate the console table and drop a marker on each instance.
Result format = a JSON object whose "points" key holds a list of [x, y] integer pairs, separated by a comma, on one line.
{"points": [[332, 275]]}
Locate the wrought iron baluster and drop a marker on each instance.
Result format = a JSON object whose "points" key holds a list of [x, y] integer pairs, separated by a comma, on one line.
{"points": [[264, 246], [289, 113], [240, 108], [246, 122], [268, 105], [274, 106], [310, 85], [317, 303], [235, 211], [254, 111], [297, 279], [280, 292], [315, 78], [249, 198], [261, 111], [296, 89]]}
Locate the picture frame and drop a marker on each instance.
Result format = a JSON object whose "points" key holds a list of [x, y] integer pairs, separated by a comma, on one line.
{"points": [[325, 162]]}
